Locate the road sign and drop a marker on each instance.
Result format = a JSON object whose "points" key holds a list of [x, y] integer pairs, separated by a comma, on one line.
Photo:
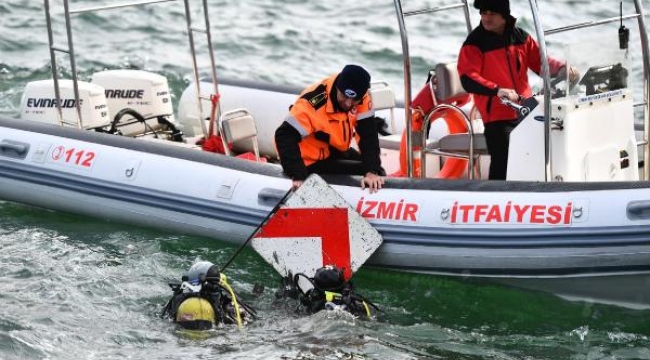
{"points": [[316, 227]]}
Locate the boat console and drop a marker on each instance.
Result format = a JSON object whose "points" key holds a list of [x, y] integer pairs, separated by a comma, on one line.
{"points": [[592, 135]]}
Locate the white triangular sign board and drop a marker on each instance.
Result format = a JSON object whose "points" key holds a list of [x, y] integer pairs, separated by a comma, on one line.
{"points": [[316, 227]]}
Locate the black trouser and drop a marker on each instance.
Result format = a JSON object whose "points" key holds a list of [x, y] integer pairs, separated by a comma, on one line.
{"points": [[339, 163], [497, 139]]}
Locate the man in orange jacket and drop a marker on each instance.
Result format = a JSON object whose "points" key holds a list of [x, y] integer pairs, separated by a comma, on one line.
{"points": [[315, 136], [493, 63]]}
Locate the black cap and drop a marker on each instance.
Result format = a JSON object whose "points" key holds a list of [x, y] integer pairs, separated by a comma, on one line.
{"points": [[498, 6], [353, 81]]}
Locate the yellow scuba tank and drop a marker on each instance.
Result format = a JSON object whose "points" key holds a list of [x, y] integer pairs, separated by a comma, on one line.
{"points": [[195, 313]]}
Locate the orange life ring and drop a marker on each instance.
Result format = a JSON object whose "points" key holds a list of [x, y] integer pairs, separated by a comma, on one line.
{"points": [[424, 102], [453, 167]]}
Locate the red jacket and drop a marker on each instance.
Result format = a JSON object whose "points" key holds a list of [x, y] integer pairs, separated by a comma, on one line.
{"points": [[489, 61]]}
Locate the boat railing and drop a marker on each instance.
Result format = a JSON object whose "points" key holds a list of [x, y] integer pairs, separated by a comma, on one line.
{"points": [[638, 15], [401, 15], [471, 156], [191, 30]]}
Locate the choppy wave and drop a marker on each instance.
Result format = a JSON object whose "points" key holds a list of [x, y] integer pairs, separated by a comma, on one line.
{"points": [[75, 287]]}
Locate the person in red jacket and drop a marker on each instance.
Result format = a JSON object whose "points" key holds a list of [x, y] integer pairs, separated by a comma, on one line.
{"points": [[315, 136], [493, 63]]}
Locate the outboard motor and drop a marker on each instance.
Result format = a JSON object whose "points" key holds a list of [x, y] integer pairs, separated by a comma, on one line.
{"points": [[39, 103], [146, 94]]}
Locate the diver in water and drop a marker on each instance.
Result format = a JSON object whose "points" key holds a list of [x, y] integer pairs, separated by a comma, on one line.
{"points": [[330, 291], [204, 299]]}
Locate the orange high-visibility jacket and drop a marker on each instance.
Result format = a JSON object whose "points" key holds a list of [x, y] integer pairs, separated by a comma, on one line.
{"points": [[314, 116]]}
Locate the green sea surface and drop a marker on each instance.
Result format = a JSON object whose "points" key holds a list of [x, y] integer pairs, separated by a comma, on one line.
{"points": [[75, 287]]}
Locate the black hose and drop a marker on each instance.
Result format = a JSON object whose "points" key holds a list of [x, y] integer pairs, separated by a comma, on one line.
{"points": [[136, 115]]}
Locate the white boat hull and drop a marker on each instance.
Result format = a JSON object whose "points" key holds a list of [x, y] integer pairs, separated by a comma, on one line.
{"points": [[573, 239]]}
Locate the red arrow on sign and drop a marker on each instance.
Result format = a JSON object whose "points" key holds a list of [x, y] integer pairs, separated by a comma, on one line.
{"points": [[334, 233]]}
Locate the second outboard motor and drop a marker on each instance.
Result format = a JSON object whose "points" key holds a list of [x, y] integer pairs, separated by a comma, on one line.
{"points": [[144, 92]]}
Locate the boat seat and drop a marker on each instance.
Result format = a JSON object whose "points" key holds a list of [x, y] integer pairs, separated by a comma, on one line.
{"points": [[390, 142], [449, 90], [458, 144], [447, 86], [394, 142], [239, 125], [383, 98]]}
